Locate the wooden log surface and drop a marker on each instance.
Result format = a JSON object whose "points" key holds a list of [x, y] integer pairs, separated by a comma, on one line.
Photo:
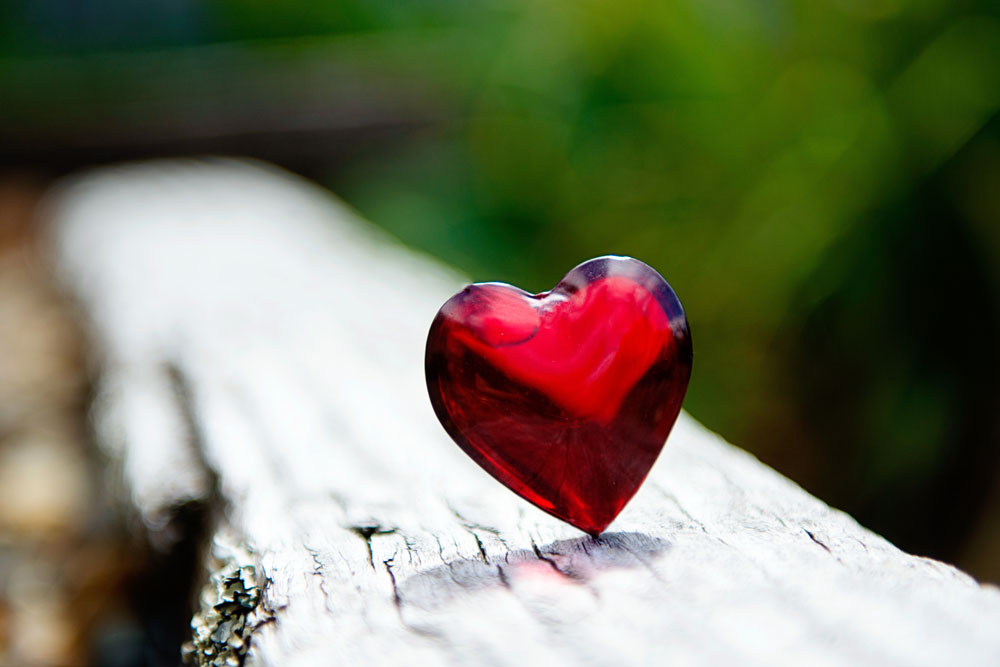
{"points": [[258, 349]]}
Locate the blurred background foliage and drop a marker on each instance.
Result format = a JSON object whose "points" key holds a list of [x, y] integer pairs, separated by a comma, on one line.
{"points": [[819, 181]]}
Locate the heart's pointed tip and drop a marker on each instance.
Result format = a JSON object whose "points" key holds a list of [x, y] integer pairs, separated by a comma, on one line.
{"points": [[593, 530]]}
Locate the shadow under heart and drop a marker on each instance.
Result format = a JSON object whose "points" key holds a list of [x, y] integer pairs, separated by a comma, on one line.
{"points": [[574, 560]]}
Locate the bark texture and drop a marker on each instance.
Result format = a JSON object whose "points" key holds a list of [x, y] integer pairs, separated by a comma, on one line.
{"points": [[258, 349]]}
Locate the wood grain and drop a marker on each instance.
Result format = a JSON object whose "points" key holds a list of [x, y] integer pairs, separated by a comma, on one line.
{"points": [[259, 348]]}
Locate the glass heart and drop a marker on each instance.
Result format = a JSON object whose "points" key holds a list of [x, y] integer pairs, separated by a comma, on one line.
{"points": [[566, 397]]}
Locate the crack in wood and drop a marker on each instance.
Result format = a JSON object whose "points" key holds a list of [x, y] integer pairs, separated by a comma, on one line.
{"points": [[468, 523], [503, 577], [366, 532], [472, 527], [318, 571], [397, 599], [677, 503], [479, 545], [813, 538], [546, 559], [221, 627], [447, 564], [395, 590]]}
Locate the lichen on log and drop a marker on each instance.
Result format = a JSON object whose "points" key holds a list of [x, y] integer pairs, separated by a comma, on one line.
{"points": [[228, 607]]}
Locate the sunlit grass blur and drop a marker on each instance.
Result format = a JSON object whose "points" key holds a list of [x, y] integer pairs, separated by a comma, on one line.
{"points": [[819, 181]]}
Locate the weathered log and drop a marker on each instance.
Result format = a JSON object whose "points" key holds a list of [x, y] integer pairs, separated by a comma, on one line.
{"points": [[258, 348]]}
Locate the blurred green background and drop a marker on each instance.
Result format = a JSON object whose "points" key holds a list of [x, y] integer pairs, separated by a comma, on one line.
{"points": [[819, 181]]}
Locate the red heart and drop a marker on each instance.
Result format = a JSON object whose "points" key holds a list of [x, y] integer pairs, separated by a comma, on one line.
{"points": [[566, 397]]}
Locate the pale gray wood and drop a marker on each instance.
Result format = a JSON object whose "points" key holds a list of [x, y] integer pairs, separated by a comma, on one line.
{"points": [[247, 327]]}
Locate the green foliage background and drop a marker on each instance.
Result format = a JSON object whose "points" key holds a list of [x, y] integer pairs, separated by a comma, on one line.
{"points": [[819, 181]]}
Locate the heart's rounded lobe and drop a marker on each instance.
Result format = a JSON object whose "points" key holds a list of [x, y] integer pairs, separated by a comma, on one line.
{"points": [[566, 397]]}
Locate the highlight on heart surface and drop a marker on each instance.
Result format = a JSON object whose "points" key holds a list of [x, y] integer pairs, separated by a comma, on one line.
{"points": [[566, 397]]}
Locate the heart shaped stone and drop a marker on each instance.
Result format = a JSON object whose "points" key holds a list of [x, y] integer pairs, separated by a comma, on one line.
{"points": [[566, 397]]}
